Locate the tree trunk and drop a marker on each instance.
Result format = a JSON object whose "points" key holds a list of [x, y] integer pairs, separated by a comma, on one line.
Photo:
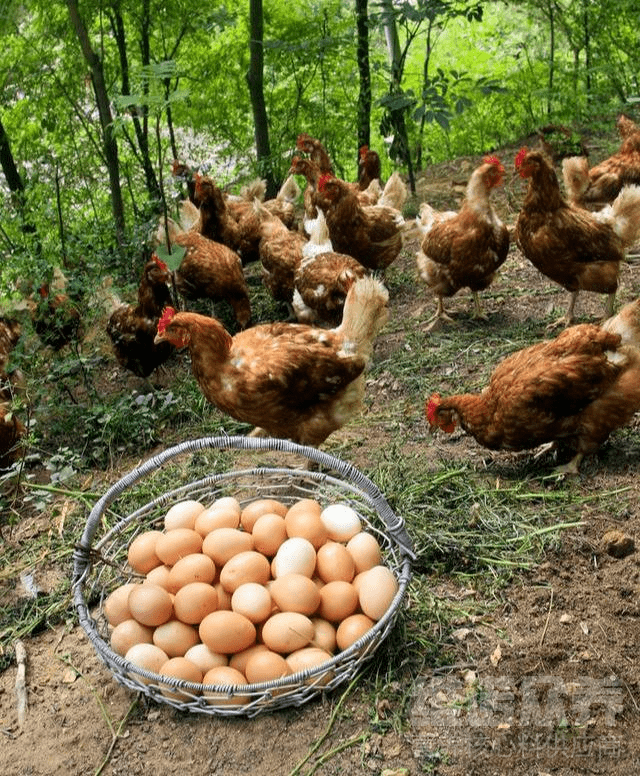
{"points": [[256, 92], [364, 95], [106, 120], [16, 185]]}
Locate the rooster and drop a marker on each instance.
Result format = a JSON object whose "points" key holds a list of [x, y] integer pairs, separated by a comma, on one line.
{"points": [[373, 235], [287, 379], [579, 250], [575, 389], [464, 249], [132, 328], [601, 184]]}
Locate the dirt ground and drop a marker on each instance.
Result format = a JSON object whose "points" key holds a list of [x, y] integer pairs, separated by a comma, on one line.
{"points": [[557, 661]]}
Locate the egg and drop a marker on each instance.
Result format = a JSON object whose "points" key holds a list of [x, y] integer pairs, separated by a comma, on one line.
{"points": [[225, 676], [249, 566], [181, 668], [310, 658], [376, 590], [338, 599], [287, 631], [266, 666], [150, 604], [341, 521], [303, 519], [195, 567], [128, 633], [256, 509], [253, 600], [158, 576], [240, 659], [324, 634], [204, 658], [116, 605], [333, 561], [217, 516], [223, 543], [352, 628], [141, 555], [182, 515], [268, 533], [227, 632], [148, 657], [294, 556], [295, 593], [175, 637], [365, 551], [177, 543], [224, 597], [194, 601]]}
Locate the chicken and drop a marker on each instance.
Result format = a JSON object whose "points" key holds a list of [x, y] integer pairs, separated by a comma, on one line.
{"points": [[316, 152], [280, 252], [601, 184], [132, 328], [182, 171], [372, 235], [10, 331], [369, 167], [208, 270], [289, 380], [573, 390], [394, 194], [239, 230], [323, 278], [464, 249], [284, 203], [626, 323], [579, 250], [56, 313]]}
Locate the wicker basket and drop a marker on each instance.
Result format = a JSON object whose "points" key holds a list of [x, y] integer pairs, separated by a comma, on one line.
{"points": [[100, 560]]}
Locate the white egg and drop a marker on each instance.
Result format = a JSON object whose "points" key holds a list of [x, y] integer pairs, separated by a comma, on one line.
{"points": [[294, 556], [341, 521]]}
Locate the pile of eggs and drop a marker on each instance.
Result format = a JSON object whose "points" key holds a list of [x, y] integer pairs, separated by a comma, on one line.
{"points": [[237, 595]]}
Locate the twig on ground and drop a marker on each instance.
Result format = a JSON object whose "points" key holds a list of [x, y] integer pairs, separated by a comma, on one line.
{"points": [[546, 622], [21, 682]]}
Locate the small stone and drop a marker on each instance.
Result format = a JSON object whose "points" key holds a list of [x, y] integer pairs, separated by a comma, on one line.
{"points": [[566, 619], [618, 544]]}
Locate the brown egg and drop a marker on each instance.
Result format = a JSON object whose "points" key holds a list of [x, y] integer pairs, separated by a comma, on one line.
{"points": [[227, 632], [266, 666], [194, 601], [150, 604], [223, 543], [175, 637], [287, 631], [182, 515], [352, 628], [175, 544], [249, 566], [333, 561], [376, 591], [195, 567], [240, 659], [268, 533], [221, 516], [253, 600], [141, 555], [128, 633], [295, 555], [295, 593], [303, 519], [148, 657], [338, 599], [324, 635], [204, 658], [309, 658], [365, 551], [158, 576], [181, 668], [116, 605], [256, 509], [224, 597], [225, 676]]}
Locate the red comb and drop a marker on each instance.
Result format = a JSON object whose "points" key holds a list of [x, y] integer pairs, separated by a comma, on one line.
{"points": [[323, 180], [165, 320], [432, 406], [491, 160], [520, 156], [160, 263], [364, 150]]}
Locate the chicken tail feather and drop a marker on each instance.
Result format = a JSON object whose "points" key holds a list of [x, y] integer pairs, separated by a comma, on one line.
{"points": [[626, 214], [365, 313]]}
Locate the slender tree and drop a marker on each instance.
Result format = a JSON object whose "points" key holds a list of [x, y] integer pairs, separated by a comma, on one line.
{"points": [[15, 184], [362, 53]]}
